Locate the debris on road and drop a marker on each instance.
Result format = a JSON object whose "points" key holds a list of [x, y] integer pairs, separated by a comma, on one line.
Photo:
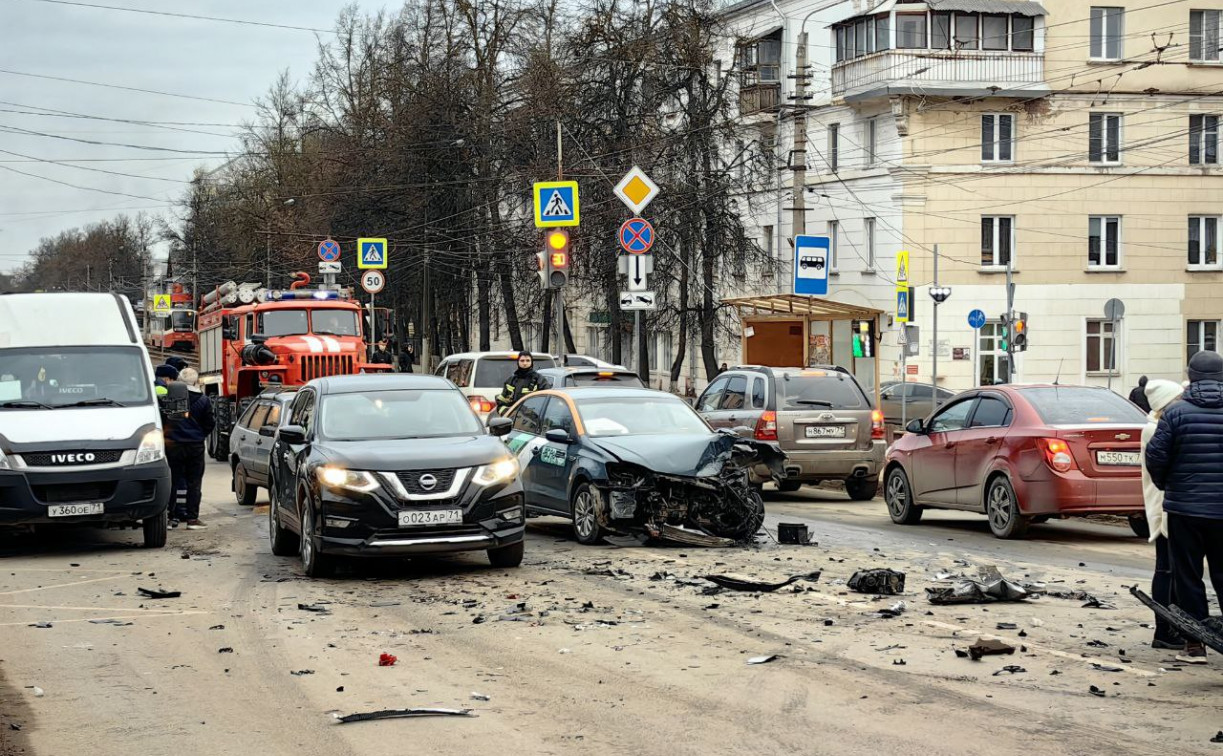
{"points": [[1013, 669], [301, 672], [481, 697], [387, 660], [38, 692], [989, 586], [317, 608], [1096, 692], [763, 659], [1208, 631], [41, 625], [991, 647], [793, 533], [895, 610], [226, 650], [401, 714], [739, 584], [880, 581], [114, 622], [1217, 738], [1090, 601], [159, 594]]}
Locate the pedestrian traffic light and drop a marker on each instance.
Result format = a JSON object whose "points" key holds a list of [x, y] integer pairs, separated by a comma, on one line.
{"points": [[557, 251], [863, 337], [1004, 334], [1019, 337]]}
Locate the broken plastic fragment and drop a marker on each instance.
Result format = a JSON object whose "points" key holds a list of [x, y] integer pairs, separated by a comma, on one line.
{"points": [[1096, 692], [481, 697], [314, 608], [401, 713], [739, 584], [762, 659], [881, 581], [158, 594], [387, 660], [1013, 669], [989, 648]]}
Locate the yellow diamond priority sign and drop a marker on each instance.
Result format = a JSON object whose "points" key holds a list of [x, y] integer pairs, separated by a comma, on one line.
{"points": [[636, 190]]}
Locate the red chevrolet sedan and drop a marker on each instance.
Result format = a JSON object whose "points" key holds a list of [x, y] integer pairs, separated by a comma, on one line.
{"points": [[1020, 454]]}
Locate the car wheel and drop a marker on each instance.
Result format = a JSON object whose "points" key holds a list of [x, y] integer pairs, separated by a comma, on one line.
{"points": [[155, 530], [314, 564], [789, 486], [862, 489], [507, 556], [285, 542], [1002, 509], [898, 495], [1140, 526], [244, 492], [585, 522]]}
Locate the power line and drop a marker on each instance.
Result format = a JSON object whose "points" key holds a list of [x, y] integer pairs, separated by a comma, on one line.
{"points": [[193, 17], [127, 89]]}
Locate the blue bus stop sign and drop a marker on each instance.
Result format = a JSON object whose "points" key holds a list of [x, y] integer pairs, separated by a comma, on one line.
{"points": [[976, 318]]}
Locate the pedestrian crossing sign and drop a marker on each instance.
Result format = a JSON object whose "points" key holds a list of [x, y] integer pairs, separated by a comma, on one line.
{"points": [[371, 253], [556, 204]]}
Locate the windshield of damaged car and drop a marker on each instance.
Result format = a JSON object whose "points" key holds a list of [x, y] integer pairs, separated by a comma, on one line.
{"points": [[642, 416], [817, 389], [414, 413]]}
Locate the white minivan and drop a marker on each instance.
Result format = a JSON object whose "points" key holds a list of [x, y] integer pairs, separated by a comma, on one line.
{"points": [[80, 429]]}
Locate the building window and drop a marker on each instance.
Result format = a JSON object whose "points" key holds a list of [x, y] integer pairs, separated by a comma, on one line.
{"points": [[1204, 35], [770, 249], [869, 231], [660, 351], [834, 146], [759, 61], [1204, 242], [997, 137], [966, 34], [940, 30], [993, 32], [993, 366], [1101, 346], [834, 232], [911, 31], [1106, 28], [997, 240], [1203, 139], [1104, 241], [1023, 33], [1201, 335], [1104, 138], [870, 142], [883, 32]]}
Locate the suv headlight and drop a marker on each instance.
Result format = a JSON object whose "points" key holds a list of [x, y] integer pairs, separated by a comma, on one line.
{"points": [[502, 471], [352, 480], [4, 462], [152, 448]]}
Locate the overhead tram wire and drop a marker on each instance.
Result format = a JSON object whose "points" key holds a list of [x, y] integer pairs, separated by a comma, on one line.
{"points": [[189, 16]]}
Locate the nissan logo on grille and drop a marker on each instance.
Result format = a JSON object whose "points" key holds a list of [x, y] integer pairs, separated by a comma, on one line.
{"points": [[74, 458], [428, 482]]}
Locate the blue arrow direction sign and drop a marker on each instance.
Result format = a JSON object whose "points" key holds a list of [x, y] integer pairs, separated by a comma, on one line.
{"points": [[976, 318], [811, 265], [329, 250], [371, 253]]}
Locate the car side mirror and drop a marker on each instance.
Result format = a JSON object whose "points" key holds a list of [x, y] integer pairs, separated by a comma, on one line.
{"points": [[559, 435], [916, 426], [229, 328], [258, 338], [293, 434], [500, 426]]}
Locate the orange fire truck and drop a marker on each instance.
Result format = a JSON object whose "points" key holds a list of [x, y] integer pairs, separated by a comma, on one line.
{"points": [[252, 338], [174, 329]]}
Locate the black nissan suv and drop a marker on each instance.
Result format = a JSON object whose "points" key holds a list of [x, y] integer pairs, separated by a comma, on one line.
{"points": [[391, 465]]}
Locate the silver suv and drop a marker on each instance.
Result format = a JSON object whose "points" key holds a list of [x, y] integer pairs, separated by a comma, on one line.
{"points": [[820, 417]]}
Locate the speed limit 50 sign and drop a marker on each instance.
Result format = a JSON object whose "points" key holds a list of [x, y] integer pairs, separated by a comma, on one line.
{"points": [[372, 281]]}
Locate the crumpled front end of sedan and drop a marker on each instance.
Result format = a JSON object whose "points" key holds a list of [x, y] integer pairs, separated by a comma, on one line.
{"points": [[712, 503]]}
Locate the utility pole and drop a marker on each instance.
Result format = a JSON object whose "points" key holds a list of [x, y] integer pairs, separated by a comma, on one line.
{"points": [[268, 281], [934, 342], [799, 157], [559, 308], [426, 340], [1010, 320]]}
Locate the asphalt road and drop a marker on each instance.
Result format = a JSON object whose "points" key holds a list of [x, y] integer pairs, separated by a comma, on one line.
{"points": [[587, 650]]}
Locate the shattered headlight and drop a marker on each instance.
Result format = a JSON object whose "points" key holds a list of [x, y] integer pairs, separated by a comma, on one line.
{"points": [[352, 480], [152, 448], [501, 471]]}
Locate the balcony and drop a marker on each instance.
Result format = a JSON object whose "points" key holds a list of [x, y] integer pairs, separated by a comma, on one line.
{"points": [[939, 73], [758, 98]]}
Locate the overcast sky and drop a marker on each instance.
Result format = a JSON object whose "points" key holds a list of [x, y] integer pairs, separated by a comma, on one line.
{"points": [[203, 59]]}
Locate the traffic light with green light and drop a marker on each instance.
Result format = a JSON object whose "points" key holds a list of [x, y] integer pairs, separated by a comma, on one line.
{"points": [[1004, 334], [863, 338]]}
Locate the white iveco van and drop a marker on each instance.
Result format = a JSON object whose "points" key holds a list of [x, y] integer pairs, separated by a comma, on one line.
{"points": [[80, 430]]}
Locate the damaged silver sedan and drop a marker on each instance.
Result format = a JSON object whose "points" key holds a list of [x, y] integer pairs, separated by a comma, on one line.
{"points": [[637, 462]]}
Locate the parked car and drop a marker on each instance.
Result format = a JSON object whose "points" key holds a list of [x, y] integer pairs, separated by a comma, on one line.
{"points": [[820, 417], [918, 399], [250, 442], [1020, 454], [391, 465], [482, 375], [637, 462], [569, 377], [583, 360]]}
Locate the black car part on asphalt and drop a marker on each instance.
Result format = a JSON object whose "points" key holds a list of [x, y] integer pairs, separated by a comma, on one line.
{"points": [[1208, 631], [714, 504], [737, 584]]}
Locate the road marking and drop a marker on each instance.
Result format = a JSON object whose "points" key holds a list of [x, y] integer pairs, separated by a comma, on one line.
{"points": [[88, 608], [116, 616], [62, 585], [1045, 649]]}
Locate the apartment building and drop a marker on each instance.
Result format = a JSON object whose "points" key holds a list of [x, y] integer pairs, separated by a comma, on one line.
{"points": [[1074, 143]]}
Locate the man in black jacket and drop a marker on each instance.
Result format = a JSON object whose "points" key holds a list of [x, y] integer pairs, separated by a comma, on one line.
{"points": [[382, 355], [1184, 461], [1138, 395], [185, 448], [523, 381]]}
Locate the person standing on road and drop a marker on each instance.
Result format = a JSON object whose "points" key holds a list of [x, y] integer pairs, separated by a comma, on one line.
{"points": [[163, 376], [407, 358], [178, 363], [1160, 394], [1138, 395], [382, 356], [1183, 457], [185, 448], [523, 381]]}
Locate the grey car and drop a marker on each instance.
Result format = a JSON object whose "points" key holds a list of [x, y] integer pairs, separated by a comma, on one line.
{"points": [[820, 417], [918, 398], [250, 443]]}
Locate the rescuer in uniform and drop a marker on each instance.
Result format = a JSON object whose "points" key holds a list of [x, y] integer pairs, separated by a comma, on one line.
{"points": [[523, 381]]}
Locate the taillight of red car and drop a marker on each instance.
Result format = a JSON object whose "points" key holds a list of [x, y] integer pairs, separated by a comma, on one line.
{"points": [[481, 405], [766, 426], [877, 432], [1057, 454]]}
